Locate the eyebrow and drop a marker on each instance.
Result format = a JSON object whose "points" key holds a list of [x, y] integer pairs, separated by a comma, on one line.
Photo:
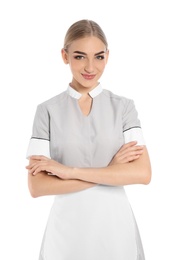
{"points": [[83, 53]]}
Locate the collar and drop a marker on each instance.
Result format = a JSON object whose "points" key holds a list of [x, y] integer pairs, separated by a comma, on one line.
{"points": [[93, 93]]}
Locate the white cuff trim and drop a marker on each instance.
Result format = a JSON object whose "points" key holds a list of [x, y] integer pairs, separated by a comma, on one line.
{"points": [[38, 147], [134, 134]]}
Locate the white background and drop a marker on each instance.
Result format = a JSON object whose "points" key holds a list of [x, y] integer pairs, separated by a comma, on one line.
{"points": [[147, 64]]}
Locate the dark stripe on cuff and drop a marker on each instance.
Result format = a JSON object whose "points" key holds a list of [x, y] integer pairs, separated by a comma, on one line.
{"points": [[39, 138], [131, 128]]}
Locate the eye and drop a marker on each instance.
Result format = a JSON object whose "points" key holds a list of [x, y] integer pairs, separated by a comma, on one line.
{"points": [[100, 57], [79, 57]]}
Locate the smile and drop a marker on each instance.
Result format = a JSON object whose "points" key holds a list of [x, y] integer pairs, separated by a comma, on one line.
{"points": [[88, 77]]}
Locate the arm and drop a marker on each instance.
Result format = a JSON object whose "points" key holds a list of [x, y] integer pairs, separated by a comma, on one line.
{"points": [[134, 172], [43, 184], [40, 183]]}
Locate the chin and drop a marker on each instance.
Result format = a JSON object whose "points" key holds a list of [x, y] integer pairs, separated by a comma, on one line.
{"points": [[89, 84]]}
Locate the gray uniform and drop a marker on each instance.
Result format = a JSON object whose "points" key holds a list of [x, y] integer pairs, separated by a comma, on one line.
{"points": [[97, 223]]}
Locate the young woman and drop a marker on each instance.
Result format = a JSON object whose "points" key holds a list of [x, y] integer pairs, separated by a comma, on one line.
{"points": [[86, 145]]}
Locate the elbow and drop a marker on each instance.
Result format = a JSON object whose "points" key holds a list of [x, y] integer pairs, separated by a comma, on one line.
{"points": [[33, 188], [147, 175], [33, 191], [34, 194], [147, 180], [146, 168]]}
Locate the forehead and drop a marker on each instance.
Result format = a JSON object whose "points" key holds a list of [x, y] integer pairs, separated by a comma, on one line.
{"points": [[90, 44]]}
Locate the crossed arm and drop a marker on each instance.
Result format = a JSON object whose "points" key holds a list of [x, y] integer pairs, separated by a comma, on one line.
{"points": [[130, 165]]}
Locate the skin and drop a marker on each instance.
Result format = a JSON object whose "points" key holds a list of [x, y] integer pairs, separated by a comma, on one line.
{"points": [[87, 58], [90, 63]]}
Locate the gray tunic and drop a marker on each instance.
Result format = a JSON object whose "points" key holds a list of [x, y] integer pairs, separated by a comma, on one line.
{"points": [[97, 223]]}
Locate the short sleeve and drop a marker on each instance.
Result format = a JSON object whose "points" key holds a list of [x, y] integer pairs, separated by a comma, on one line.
{"points": [[132, 130], [40, 140]]}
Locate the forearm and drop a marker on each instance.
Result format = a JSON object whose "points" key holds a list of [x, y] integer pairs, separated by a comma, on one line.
{"points": [[43, 184], [124, 169], [136, 172], [111, 175]]}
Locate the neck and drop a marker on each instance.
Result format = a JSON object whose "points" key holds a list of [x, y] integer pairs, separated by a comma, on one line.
{"points": [[81, 89]]}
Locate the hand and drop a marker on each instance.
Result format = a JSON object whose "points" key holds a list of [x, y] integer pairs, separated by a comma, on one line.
{"points": [[42, 163], [127, 153]]}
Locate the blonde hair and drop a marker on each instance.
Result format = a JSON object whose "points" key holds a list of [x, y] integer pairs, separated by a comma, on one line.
{"points": [[82, 29]]}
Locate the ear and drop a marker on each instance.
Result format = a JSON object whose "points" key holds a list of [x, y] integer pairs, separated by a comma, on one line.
{"points": [[64, 56], [107, 56]]}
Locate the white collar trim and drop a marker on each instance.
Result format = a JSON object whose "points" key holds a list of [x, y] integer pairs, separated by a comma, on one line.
{"points": [[93, 93]]}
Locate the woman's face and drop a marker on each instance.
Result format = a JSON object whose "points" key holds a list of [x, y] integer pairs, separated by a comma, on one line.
{"points": [[87, 58]]}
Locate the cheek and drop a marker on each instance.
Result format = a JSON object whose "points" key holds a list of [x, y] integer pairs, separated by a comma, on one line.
{"points": [[75, 65], [101, 66]]}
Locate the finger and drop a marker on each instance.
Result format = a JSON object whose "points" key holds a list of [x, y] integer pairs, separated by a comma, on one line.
{"points": [[133, 158], [39, 157], [131, 149], [132, 153], [31, 165], [37, 167], [122, 157], [129, 144], [37, 171], [128, 159]]}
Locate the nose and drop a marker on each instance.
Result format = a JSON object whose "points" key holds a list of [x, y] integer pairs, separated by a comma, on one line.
{"points": [[89, 66]]}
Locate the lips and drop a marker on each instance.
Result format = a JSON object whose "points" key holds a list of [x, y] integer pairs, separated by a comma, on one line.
{"points": [[88, 76]]}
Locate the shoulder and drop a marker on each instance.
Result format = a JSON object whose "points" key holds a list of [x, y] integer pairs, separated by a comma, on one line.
{"points": [[53, 101], [122, 100]]}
